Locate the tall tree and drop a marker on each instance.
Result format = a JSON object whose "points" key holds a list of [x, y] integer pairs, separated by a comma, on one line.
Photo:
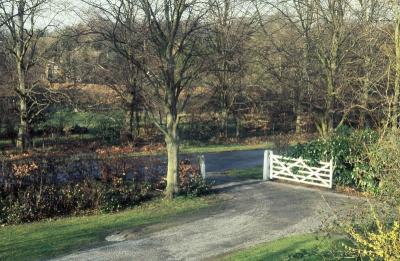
{"points": [[161, 39], [118, 23], [19, 19], [369, 57], [396, 88], [174, 39], [231, 27]]}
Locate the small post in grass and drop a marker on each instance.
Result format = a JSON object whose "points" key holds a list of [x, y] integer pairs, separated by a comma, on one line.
{"points": [[202, 165], [267, 162]]}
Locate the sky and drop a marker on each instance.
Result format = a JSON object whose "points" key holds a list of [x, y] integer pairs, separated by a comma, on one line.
{"points": [[63, 13]]}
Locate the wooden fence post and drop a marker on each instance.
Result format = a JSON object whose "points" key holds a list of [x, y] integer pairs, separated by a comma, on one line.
{"points": [[267, 167], [202, 165]]}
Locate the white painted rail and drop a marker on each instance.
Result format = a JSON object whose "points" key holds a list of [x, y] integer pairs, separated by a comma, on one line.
{"points": [[298, 170]]}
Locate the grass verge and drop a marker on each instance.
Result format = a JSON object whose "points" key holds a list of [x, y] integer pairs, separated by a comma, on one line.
{"points": [[223, 148], [41, 240], [250, 173], [189, 149], [310, 247], [214, 148]]}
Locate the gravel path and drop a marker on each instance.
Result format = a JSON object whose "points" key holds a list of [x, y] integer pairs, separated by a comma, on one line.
{"points": [[251, 212]]}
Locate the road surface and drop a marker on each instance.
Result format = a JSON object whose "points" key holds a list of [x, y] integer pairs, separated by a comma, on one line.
{"points": [[222, 161], [251, 212]]}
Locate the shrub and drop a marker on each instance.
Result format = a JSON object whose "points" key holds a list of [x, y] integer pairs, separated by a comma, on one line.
{"points": [[198, 131], [381, 164], [109, 129], [347, 149], [36, 188], [56, 200], [190, 180], [378, 242]]}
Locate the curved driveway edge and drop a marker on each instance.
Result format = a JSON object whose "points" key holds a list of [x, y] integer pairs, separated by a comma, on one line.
{"points": [[252, 212]]}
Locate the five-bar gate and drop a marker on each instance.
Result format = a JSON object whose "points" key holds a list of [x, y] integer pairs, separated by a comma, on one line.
{"points": [[298, 170]]}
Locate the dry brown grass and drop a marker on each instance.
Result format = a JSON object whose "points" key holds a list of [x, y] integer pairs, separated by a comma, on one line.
{"points": [[89, 93]]}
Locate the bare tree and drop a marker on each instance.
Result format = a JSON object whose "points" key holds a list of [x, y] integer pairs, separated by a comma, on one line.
{"points": [[396, 88], [174, 30], [161, 40], [118, 23], [369, 59], [19, 19], [231, 27]]}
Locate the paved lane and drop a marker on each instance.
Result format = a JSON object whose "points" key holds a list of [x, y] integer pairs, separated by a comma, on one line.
{"points": [[222, 161]]}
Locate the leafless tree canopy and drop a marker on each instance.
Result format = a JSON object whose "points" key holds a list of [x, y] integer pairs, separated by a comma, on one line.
{"points": [[213, 70]]}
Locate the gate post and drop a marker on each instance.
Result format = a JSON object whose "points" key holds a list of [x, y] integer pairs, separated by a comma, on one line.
{"points": [[331, 173], [202, 165], [267, 165]]}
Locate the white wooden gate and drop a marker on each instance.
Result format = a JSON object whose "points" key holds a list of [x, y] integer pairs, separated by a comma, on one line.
{"points": [[297, 170]]}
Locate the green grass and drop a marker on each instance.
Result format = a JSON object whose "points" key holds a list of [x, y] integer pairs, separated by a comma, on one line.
{"points": [[250, 173], [5, 142], [193, 149], [221, 148], [308, 247], [88, 119], [37, 241], [184, 149], [187, 149]]}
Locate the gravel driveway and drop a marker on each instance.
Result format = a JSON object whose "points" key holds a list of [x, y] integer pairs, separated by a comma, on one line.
{"points": [[251, 212]]}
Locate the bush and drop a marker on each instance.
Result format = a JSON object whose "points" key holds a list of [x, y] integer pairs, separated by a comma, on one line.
{"points": [[190, 180], [381, 163], [109, 130], [198, 131], [33, 204], [381, 241], [347, 149], [36, 188]]}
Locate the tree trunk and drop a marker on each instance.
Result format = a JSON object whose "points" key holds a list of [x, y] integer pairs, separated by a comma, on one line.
{"points": [[299, 123], [395, 107], [364, 104], [224, 124], [137, 118], [23, 139], [22, 92], [297, 109], [237, 127], [134, 120], [364, 101], [329, 115], [172, 142], [131, 123]]}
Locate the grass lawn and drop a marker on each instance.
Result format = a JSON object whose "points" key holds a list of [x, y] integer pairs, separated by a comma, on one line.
{"points": [[221, 148], [5, 142], [37, 241], [213, 148], [88, 119], [195, 149], [250, 173], [304, 247]]}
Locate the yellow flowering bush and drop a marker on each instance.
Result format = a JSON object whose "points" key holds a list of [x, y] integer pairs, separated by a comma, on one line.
{"points": [[381, 243]]}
